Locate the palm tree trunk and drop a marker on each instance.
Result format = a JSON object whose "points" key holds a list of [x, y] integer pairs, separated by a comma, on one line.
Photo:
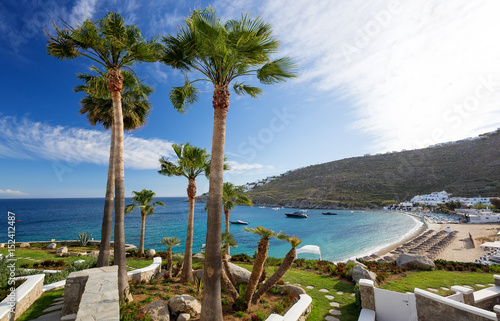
{"points": [[169, 261], [107, 219], [228, 270], [143, 232], [115, 86], [258, 267], [211, 309], [226, 283], [280, 272], [187, 267], [226, 214]]}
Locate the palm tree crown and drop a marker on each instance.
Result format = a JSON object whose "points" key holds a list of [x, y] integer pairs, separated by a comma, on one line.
{"points": [[97, 105], [170, 241], [234, 195], [222, 53], [144, 200], [191, 162]]}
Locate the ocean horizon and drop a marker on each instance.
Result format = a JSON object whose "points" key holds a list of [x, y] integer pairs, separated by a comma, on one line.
{"points": [[351, 233]]}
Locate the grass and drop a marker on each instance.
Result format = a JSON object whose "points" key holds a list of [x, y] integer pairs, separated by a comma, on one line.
{"points": [[36, 309], [138, 263], [37, 256], [438, 279], [321, 305]]}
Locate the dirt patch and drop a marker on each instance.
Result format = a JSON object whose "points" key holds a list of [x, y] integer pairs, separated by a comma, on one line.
{"points": [[271, 302]]}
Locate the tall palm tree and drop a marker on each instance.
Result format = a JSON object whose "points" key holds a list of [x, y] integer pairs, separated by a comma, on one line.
{"points": [[281, 271], [191, 162], [232, 196], [258, 265], [143, 200], [113, 45], [97, 106], [221, 52], [170, 242]]}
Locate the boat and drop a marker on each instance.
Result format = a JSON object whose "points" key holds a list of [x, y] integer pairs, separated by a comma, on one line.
{"points": [[296, 215], [239, 222], [329, 213], [276, 208]]}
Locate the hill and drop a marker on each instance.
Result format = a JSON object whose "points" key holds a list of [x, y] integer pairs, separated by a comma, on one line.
{"points": [[467, 168]]}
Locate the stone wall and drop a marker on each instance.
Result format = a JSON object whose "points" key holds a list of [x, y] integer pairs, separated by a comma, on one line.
{"points": [[147, 273], [298, 312], [92, 295], [25, 295], [431, 307]]}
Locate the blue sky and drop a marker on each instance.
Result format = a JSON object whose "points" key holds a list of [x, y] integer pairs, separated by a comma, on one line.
{"points": [[375, 76]]}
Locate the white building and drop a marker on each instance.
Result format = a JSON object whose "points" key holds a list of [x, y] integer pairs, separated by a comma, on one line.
{"points": [[472, 200], [432, 199]]}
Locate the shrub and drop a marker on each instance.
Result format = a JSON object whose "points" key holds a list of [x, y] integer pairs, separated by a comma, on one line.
{"points": [[84, 238]]}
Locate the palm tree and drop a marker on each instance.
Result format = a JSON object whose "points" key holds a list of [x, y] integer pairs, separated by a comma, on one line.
{"points": [[262, 249], [191, 162], [281, 271], [97, 105], [114, 46], [227, 242], [232, 195], [143, 200], [221, 52], [170, 242]]}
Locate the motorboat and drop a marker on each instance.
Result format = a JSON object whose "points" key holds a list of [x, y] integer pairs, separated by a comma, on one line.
{"points": [[296, 215], [239, 222], [329, 213]]}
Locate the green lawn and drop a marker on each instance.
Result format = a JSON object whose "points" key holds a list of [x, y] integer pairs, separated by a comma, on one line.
{"points": [[24, 255], [321, 305], [438, 279]]}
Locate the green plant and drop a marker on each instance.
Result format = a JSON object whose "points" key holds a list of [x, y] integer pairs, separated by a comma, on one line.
{"points": [[259, 316], [239, 314], [199, 285], [84, 238], [148, 299]]}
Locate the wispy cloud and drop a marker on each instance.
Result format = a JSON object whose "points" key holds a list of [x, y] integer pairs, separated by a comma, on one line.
{"points": [[417, 73], [82, 10], [29, 140], [250, 168], [10, 193]]}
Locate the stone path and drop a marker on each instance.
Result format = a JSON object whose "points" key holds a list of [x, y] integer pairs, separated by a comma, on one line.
{"points": [[332, 304], [330, 318], [433, 290], [310, 287], [446, 289], [52, 313], [329, 297], [323, 290], [481, 285]]}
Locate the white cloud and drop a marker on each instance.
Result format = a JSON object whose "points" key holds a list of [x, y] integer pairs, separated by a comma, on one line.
{"points": [[250, 168], [416, 73], [30, 140], [82, 10], [11, 193]]}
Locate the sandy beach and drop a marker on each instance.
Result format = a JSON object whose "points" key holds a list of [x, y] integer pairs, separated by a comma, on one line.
{"points": [[461, 248]]}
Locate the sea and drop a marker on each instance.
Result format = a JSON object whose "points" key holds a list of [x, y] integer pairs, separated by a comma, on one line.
{"points": [[340, 237]]}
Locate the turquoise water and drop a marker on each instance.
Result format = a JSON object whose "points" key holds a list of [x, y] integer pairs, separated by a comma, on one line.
{"points": [[348, 234]]}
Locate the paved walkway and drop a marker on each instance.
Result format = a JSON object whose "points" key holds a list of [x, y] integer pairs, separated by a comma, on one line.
{"points": [[52, 313]]}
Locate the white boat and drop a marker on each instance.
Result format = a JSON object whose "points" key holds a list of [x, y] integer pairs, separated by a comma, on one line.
{"points": [[239, 222], [276, 208]]}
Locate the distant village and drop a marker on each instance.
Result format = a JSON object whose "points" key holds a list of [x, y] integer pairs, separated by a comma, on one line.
{"points": [[476, 209]]}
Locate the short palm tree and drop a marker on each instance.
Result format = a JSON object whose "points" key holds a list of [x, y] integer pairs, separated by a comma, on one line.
{"points": [[191, 162], [113, 45], [221, 53], [260, 260], [232, 196], [143, 200], [170, 242], [281, 271], [97, 106], [228, 241]]}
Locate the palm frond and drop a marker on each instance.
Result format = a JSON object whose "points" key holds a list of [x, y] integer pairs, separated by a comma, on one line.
{"points": [[184, 96], [170, 241], [242, 89], [277, 71]]}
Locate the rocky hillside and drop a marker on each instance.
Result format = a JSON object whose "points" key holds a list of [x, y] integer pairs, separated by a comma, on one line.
{"points": [[464, 168]]}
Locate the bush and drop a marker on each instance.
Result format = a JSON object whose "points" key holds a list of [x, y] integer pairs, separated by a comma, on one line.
{"points": [[84, 238], [242, 257]]}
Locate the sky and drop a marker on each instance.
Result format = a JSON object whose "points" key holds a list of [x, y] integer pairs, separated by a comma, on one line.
{"points": [[374, 76]]}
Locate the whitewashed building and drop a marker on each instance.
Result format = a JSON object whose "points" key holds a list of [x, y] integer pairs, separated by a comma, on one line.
{"points": [[433, 198], [467, 201]]}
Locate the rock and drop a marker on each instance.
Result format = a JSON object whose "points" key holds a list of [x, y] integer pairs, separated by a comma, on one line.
{"points": [[357, 263], [79, 262], [52, 246], [198, 257], [185, 304], [150, 252], [63, 249], [130, 247], [65, 254], [2, 244], [94, 253], [158, 311], [241, 275], [183, 317], [419, 262], [24, 245], [358, 272], [73, 254], [295, 290], [161, 276]]}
